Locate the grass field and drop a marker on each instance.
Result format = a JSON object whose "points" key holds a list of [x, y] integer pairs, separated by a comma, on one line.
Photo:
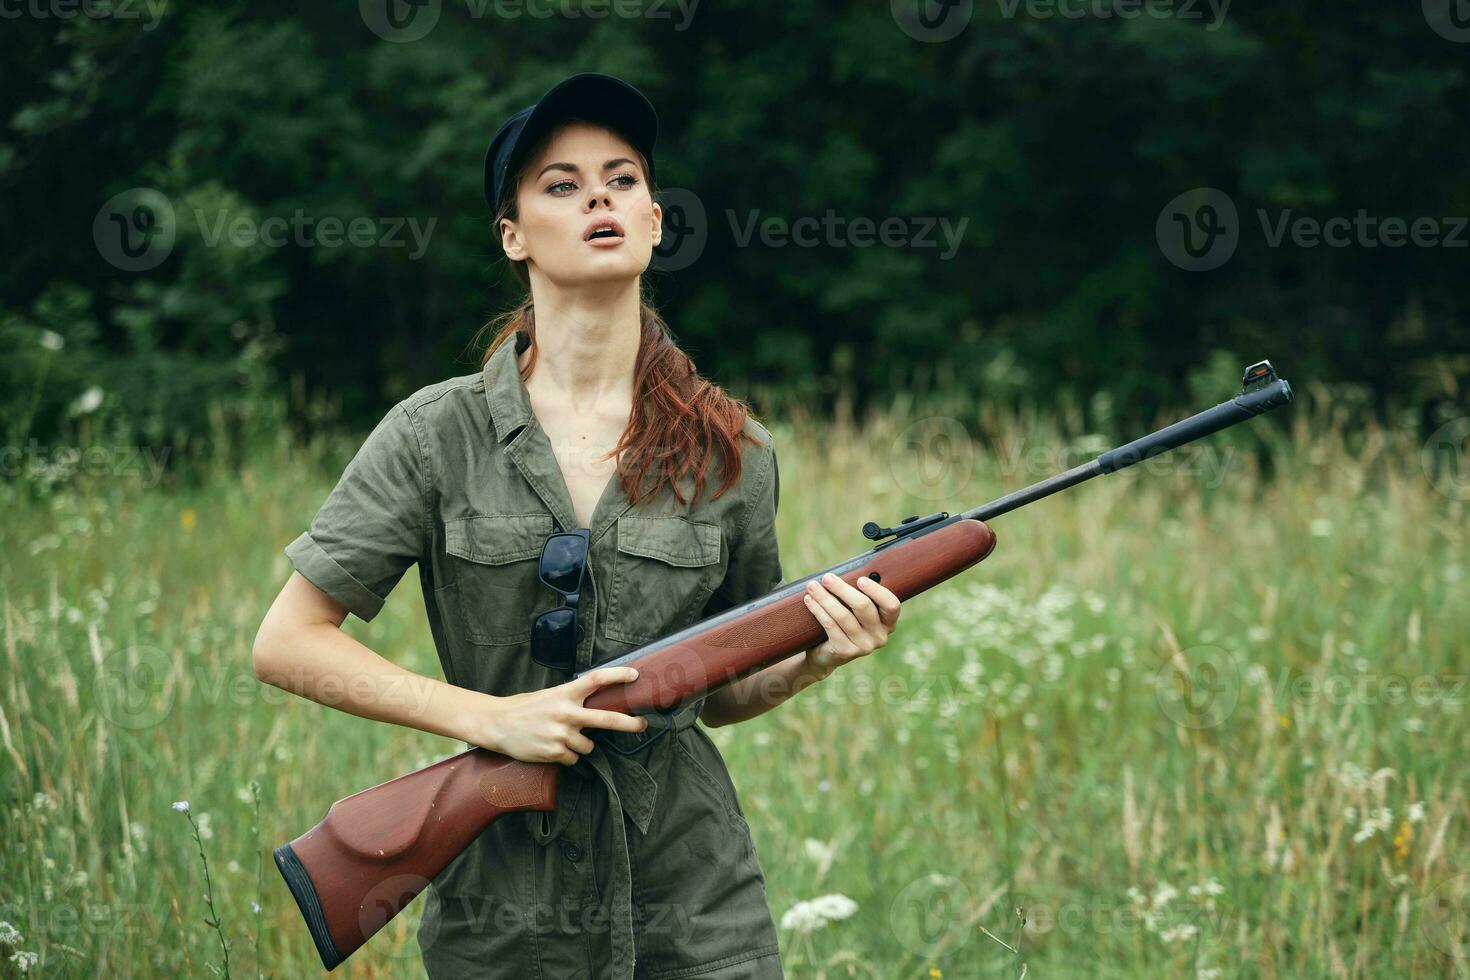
{"points": [[1204, 721]]}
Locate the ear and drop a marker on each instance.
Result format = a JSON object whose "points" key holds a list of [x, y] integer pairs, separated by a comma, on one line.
{"points": [[510, 239], [658, 223]]}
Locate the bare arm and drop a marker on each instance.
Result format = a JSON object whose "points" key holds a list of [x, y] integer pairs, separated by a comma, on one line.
{"points": [[301, 648]]}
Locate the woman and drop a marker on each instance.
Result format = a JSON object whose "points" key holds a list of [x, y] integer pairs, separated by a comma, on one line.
{"points": [[585, 416]]}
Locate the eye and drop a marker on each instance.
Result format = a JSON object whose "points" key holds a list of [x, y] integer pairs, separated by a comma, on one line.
{"points": [[569, 184]]}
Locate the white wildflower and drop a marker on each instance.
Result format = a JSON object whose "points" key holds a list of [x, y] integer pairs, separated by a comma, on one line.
{"points": [[24, 960], [1416, 812], [182, 806], [243, 793], [817, 850], [51, 340], [87, 402], [10, 935], [812, 914]]}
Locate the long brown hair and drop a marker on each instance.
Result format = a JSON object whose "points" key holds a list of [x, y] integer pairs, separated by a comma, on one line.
{"points": [[679, 418]]}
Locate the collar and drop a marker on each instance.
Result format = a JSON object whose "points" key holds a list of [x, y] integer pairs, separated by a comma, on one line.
{"points": [[505, 392]]}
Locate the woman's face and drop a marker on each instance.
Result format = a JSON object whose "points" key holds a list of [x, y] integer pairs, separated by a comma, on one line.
{"points": [[585, 175]]}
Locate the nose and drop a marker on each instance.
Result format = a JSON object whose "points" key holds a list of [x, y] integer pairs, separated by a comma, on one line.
{"points": [[602, 194]]}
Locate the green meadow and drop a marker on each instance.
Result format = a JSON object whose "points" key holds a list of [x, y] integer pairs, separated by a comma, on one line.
{"points": [[1205, 718]]}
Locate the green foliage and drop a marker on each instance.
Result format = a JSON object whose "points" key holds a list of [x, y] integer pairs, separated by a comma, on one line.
{"points": [[1051, 143]]}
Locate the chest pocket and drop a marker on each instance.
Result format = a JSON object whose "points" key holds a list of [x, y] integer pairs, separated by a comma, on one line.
{"points": [[494, 560], [664, 570]]}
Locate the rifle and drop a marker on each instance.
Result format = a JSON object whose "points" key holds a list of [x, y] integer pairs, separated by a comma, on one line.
{"points": [[376, 850]]}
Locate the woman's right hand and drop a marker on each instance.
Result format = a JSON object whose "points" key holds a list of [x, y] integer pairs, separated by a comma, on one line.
{"points": [[546, 725]]}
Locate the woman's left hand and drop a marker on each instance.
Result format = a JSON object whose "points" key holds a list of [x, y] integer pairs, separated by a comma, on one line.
{"points": [[857, 620]]}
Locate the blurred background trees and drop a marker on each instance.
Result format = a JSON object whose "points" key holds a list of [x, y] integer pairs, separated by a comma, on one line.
{"points": [[1054, 143]]}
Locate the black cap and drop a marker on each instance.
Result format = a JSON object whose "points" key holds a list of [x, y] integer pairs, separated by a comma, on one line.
{"points": [[588, 95]]}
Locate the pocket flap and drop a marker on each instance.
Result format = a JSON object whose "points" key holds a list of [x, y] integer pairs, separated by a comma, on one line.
{"points": [[496, 539], [670, 539]]}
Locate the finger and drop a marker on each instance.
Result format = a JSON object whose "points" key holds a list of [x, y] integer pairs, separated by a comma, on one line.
{"points": [[568, 758], [857, 600], [594, 680], [839, 612], [580, 743], [835, 634], [888, 604], [616, 721]]}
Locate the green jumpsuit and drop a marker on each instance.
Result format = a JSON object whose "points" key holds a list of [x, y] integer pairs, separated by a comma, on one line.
{"points": [[646, 868]]}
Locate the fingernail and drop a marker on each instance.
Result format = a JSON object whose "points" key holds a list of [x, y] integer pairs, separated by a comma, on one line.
{"points": [[635, 672]]}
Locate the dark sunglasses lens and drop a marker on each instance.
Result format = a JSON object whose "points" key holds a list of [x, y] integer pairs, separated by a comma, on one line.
{"points": [[554, 639], [562, 561]]}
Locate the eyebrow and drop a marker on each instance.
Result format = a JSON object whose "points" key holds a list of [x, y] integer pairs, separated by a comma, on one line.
{"points": [[571, 168]]}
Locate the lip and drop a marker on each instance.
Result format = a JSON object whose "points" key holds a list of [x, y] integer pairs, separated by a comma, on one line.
{"points": [[610, 242]]}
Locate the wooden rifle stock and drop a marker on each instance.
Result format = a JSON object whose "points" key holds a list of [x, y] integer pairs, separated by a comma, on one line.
{"points": [[376, 850]]}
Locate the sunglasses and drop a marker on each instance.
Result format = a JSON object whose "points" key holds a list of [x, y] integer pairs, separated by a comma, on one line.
{"points": [[555, 633]]}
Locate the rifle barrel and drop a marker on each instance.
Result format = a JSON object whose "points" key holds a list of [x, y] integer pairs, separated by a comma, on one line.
{"points": [[1244, 406]]}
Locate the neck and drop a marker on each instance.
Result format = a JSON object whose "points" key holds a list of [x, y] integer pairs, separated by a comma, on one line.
{"points": [[586, 345]]}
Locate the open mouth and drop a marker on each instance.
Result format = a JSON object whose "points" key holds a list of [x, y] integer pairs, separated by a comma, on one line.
{"points": [[605, 231]]}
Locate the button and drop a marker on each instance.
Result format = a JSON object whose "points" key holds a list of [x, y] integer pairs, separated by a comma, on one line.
{"points": [[571, 851]]}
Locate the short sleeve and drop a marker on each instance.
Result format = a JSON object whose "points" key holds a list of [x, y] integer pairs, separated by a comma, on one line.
{"points": [[755, 558], [373, 525]]}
